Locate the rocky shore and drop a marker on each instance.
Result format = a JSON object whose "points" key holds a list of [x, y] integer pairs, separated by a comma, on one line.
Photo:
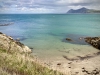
{"points": [[83, 63], [94, 41], [16, 59], [11, 45]]}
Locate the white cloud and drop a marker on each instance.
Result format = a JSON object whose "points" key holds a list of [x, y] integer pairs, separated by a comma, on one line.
{"points": [[74, 1], [46, 6], [34, 10], [23, 8], [68, 1], [75, 7], [41, 10]]}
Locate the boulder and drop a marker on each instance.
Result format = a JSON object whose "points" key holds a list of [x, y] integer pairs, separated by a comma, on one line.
{"points": [[68, 39], [94, 41]]}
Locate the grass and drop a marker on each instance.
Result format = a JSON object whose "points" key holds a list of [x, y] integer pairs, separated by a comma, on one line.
{"points": [[21, 64]]}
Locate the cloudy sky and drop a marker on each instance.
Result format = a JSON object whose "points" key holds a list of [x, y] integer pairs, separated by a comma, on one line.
{"points": [[45, 6]]}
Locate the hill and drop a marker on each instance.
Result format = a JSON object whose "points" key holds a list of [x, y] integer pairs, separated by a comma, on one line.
{"points": [[83, 10]]}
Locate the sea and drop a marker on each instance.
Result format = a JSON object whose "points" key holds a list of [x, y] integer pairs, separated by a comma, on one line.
{"points": [[46, 34]]}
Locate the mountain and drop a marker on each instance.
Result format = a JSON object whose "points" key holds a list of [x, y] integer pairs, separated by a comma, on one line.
{"points": [[83, 10]]}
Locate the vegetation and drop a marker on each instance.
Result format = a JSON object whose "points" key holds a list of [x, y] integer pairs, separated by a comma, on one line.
{"points": [[21, 64]]}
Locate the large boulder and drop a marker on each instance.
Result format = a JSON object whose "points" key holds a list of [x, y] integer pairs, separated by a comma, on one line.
{"points": [[9, 44], [94, 41]]}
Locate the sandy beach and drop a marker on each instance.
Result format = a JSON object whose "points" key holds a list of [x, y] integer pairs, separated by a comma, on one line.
{"points": [[81, 63]]}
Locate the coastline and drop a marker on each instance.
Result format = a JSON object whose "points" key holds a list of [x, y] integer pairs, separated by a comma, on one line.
{"points": [[87, 63], [75, 65], [16, 59], [78, 60]]}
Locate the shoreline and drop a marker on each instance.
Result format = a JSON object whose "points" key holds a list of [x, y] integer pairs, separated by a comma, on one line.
{"points": [[87, 63], [80, 64], [69, 66], [15, 59]]}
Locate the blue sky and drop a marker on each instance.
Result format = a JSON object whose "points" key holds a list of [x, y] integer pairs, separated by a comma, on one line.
{"points": [[45, 6]]}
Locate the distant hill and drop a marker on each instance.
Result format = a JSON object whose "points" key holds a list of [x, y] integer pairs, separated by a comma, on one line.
{"points": [[83, 10]]}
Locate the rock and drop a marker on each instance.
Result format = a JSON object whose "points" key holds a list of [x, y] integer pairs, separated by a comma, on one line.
{"points": [[68, 39], [97, 72], [94, 41], [18, 39], [76, 72], [0, 32], [9, 44], [69, 67], [98, 43], [83, 68], [58, 63], [30, 47], [94, 70], [69, 62]]}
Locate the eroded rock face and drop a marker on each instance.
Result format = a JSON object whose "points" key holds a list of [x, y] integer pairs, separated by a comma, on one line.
{"points": [[94, 41], [9, 44]]}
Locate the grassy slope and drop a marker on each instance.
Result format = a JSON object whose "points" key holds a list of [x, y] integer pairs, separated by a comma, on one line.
{"points": [[20, 64]]}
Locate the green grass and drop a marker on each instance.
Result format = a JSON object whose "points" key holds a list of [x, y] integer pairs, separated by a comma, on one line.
{"points": [[21, 64]]}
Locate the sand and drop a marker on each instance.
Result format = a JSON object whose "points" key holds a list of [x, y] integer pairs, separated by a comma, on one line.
{"points": [[84, 60]]}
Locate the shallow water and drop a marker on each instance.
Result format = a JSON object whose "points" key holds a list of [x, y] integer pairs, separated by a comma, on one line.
{"points": [[46, 33]]}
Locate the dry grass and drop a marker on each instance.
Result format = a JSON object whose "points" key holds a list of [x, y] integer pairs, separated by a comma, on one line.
{"points": [[21, 64]]}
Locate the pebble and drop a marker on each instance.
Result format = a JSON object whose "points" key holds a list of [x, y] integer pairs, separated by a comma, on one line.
{"points": [[69, 62], [83, 68], [58, 63]]}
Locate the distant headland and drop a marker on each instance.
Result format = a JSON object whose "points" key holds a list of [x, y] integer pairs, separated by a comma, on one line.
{"points": [[83, 10]]}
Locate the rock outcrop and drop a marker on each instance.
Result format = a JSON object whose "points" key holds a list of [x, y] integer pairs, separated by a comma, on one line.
{"points": [[68, 39], [9, 44], [94, 41]]}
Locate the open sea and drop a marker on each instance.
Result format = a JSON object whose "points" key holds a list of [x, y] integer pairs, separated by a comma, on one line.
{"points": [[47, 33]]}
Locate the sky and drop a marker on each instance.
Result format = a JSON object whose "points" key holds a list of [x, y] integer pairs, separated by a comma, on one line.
{"points": [[45, 6]]}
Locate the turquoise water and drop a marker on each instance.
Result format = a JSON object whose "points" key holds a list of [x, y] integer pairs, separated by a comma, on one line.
{"points": [[48, 31]]}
